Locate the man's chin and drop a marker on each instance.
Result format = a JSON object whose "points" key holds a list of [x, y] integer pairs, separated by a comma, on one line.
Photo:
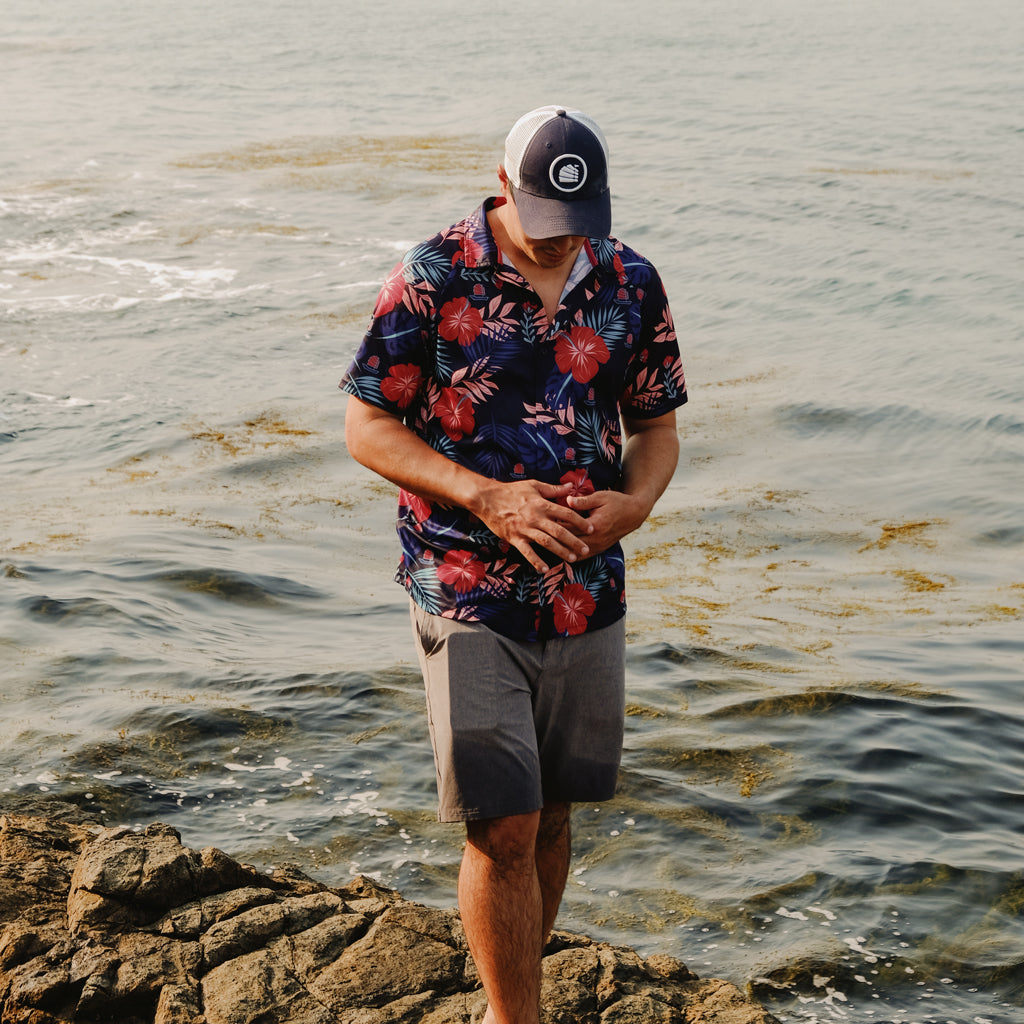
{"points": [[552, 257]]}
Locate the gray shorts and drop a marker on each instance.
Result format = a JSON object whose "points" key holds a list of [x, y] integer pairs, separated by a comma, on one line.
{"points": [[516, 725]]}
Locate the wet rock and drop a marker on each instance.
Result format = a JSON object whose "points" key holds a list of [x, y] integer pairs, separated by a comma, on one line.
{"points": [[114, 925]]}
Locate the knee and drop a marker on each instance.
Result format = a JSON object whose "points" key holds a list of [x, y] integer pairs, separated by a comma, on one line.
{"points": [[505, 840]]}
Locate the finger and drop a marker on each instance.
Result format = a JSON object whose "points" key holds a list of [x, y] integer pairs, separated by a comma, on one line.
{"points": [[555, 493], [567, 518], [531, 556], [542, 549], [551, 491], [562, 543], [586, 501], [534, 552]]}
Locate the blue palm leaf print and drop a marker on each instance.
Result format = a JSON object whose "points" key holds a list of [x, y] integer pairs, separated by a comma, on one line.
{"points": [[609, 321], [425, 589], [444, 365], [592, 574], [367, 386], [429, 263], [592, 441], [445, 445]]}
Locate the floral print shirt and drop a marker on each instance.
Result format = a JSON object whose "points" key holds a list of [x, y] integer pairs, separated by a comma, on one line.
{"points": [[461, 349]]}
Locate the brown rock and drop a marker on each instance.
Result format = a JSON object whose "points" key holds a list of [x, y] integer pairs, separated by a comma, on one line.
{"points": [[569, 985], [37, 858], [259, 986], [111, 924], [179, 1004], [391, 961]]}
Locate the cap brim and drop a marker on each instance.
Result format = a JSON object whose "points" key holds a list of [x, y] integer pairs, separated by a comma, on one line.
{"points": [[551, 218]]}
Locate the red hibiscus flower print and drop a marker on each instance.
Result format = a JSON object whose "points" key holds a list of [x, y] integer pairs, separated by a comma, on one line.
{"points": [[401, 384], [462, 570], [470, 253], [460, 321], [580, 352], [391, 292], [581, 484], [455, 410], [574, 604], [419, 507]]}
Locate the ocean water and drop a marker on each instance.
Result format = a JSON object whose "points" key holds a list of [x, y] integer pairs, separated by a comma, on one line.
{"points": [[822, 793]]}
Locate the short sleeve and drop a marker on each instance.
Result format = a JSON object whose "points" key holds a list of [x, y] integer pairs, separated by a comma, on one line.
{"points": [[389, 367], [655, 382]]}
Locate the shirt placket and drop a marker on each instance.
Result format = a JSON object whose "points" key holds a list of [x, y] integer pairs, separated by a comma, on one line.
{"points": [[539, 353]]}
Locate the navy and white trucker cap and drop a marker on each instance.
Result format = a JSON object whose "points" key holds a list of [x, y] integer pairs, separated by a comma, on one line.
{"points": [[556, 159]]}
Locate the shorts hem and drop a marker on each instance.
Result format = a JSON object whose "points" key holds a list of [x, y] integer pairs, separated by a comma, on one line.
{"points": [[454, 817]]}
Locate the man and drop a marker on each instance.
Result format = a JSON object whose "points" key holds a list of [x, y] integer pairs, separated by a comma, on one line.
{"points": [[518, 382]]}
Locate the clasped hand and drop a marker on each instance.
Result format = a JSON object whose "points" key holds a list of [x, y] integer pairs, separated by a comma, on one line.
{"points": [[529, 514]]}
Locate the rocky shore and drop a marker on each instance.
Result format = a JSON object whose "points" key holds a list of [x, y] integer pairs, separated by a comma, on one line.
{"points": [[108, 924]]}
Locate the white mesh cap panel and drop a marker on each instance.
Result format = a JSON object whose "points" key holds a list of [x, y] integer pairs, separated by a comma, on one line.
{"points": [[524, 129]]}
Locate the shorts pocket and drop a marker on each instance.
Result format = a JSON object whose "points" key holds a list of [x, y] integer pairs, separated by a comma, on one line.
{"points": [[429, 633]]}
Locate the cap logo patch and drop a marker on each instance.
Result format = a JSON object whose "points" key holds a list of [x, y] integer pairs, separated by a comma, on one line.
{"points": [[568, 173]]}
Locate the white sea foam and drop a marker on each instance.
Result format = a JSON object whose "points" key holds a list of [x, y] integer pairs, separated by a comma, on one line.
{"points": [[857, 946], [41, 273], [348, 286], [362, 804], [66, 401], [827, 914], [796, 915]]}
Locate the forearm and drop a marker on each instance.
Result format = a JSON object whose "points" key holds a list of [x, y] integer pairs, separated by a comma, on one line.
{"points": [[649, 459], [384, 444]]}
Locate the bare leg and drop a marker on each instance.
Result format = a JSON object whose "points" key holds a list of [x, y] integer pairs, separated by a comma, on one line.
{"points": [[513, 874], [503, 913], [554, 849]]}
